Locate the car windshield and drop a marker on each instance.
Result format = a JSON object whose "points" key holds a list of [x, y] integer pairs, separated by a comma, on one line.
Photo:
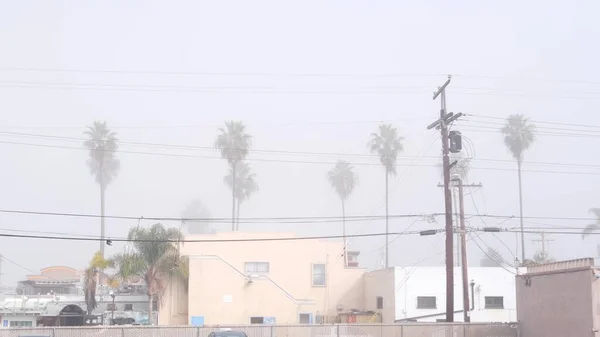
{"points": [[229, 334]]}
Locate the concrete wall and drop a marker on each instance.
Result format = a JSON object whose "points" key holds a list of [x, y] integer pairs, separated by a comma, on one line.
{"points": [[556, 303], [174, 305], [412, 282], [381, 283], [221, 293]]}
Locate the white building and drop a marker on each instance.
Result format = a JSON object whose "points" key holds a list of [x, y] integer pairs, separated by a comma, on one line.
{"points": [[419, 294]]}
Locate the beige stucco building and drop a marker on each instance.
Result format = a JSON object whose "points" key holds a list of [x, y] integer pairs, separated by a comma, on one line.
{"points": [[276, 281], [560, 299]]}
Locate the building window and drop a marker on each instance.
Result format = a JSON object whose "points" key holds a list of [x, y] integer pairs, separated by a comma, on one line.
{"points": [[128, 307], [319, 275], [20, 324], [379, 302], [305, 319], [260, 268], [111, 306], [494, 302], [257, 320], [426, 302]]}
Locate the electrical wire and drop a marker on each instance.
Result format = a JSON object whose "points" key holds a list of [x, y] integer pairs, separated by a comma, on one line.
{"points": [[297, 238], [279, 219]]}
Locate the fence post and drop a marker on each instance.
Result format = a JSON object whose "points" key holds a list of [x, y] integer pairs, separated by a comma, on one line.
{"points": [[122, 332], [53, 332], [337, 330], [464, 329], [197, 331], [402, 330]]}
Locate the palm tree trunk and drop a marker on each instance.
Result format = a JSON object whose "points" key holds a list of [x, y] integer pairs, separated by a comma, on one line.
{"points": [[387, 223], [102, 226], [344, 233], [150, 308], [237, 216], [521, 211], [234, 178]]}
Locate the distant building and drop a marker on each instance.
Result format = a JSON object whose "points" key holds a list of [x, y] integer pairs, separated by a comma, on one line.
{"points": [[263, 282], [55, 298], [52, 280], [559, 299], [418, 294]]}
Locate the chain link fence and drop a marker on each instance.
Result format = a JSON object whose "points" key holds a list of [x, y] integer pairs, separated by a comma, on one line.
{"points": [[355, 330]]}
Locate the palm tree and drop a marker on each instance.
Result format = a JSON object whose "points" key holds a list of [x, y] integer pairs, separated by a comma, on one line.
{"points": [[387, 144], [245, 185], [343, 180], [154, 258], [102, 144], [234, 143], [519, 135], [492, 258], [196, 215], [91, 273], [594, 226]]}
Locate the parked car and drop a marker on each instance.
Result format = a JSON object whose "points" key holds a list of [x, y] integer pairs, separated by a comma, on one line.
{"points": [[227, 333]]}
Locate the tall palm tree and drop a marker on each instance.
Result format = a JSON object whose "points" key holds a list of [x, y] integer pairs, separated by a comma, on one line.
{"points": [[234, 144], [155, 258], [200, 214], [387, 144], [102, 144], [343, 180], [594, 226], [245, 185], [519, 135]]}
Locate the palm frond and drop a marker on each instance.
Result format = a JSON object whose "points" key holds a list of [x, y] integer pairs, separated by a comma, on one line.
{"points": [[233, 142], [387, 144], [519, 135], [343, 179], [102, 144]]}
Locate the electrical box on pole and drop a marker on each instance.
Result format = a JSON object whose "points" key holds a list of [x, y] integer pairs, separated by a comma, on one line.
{"points": [[455, 139]]}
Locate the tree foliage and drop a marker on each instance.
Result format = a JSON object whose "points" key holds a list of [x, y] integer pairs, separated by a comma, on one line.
{"points": [[102, 144], [155, 258], [387, 144], [343, 179], [519, 135]]}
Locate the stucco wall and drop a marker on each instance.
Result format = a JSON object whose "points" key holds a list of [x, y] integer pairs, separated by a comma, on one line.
{"points": [[381, 283], [412, 282], [221, 294], [557, 304]]}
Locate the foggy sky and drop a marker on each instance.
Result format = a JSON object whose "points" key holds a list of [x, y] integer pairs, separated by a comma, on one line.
{"points": [[483, 44]]}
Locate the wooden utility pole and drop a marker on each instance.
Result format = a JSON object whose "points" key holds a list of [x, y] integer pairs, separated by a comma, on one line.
{"points": [[543, 241], [442, 123]]}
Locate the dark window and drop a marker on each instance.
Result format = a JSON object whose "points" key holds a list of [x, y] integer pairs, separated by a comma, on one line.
{"points": [[111, 306], [426, 302], [257, 320], [379, 302], [154, 306], [494, 302], [128, 307], [305, 319]]}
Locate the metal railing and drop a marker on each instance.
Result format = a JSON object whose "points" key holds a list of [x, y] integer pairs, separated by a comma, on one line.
{"points": [[355, 330]]}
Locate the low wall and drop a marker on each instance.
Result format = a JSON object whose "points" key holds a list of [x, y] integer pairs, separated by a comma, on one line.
{"points": [[315, 330]]}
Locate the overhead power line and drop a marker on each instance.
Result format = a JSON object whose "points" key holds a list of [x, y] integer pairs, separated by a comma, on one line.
{"points": [[291, 238], [278, 219], [266, 160]]}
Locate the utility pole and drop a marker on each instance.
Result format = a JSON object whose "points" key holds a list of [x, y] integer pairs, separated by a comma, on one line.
{"points": [[462, 242], [543, 241], [442, 123]]}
